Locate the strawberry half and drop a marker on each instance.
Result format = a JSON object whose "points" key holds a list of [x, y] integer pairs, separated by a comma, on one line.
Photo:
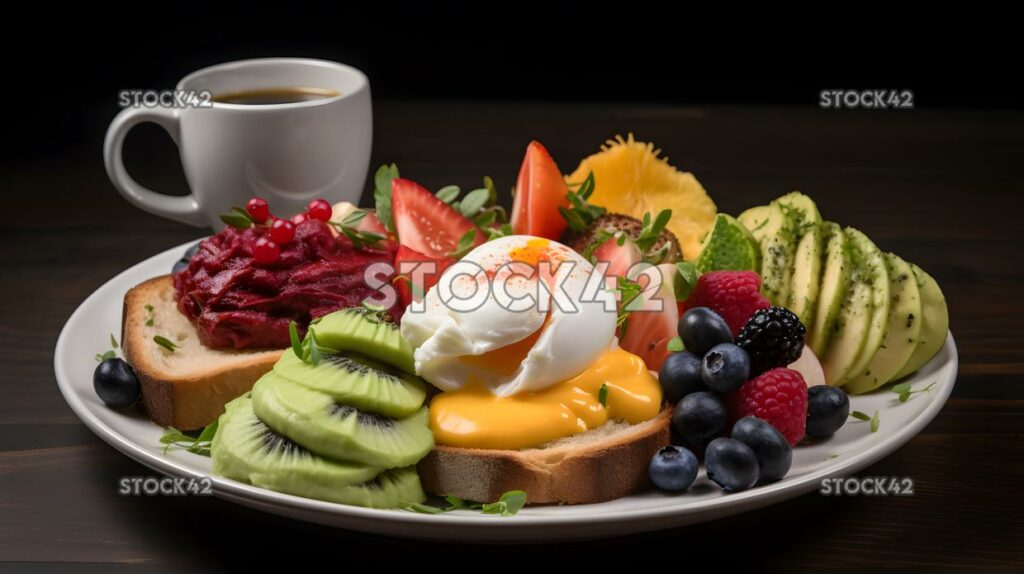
{"points": [[647, 331], [540, 191], [426, 224], [407, 288], [620, 258]]}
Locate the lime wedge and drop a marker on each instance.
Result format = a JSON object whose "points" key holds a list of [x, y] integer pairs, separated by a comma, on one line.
{"points": [[729, 247]]}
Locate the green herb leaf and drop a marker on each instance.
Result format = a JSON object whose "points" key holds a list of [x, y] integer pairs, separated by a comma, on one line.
{"points": [[382, 194], [602, 395], [901, 388], [685, 279], [293, 334], [874, 422], [354, 217], [238, 218], [492, 190], [587, 187], [675, 344], [448, 193], [174, 438], [209, 431], [509, 504], [485, 218], [113, 341], [454, 502], [474, 202], [581, 214], [314, 348], [104, 356], [466, 243], [833, 455], [860, 416], [358, 237], [164, 342], [421, 508]]}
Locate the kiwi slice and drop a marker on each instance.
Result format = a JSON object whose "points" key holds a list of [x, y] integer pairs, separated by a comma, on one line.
{"points": [[357, 380], [319, 423], [247, 450], [365, 331]]}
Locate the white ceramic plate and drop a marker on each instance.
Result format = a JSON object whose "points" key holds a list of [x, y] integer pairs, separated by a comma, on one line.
{"points": [[851, 449]]}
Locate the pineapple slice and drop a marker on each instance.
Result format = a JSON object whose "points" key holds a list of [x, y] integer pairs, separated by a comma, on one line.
{"points": [[632, 179]]}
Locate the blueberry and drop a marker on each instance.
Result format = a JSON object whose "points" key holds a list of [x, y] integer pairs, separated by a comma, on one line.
{"points": [[673, 468], [115, 383], [731, 464], [183, 262], [774, 455], [191, 251], [827, 409], [701, 328], [725, 368], [698, 417], [680, 376]]}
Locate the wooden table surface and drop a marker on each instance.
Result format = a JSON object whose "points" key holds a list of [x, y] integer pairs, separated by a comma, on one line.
{"points": [[943, 189]]}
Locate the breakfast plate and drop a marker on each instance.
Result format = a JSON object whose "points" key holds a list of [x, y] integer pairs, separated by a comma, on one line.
{"points": [[852, 448]]}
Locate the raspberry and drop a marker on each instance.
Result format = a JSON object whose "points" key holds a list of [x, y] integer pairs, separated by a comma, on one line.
{"points": [[735, 295], [779, 397], [773, 337]]}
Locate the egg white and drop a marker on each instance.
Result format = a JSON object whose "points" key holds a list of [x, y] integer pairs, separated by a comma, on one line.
{"points": [[575, 334]]}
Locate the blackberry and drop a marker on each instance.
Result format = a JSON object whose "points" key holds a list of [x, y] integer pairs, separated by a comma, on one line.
{"points": [[772, 337]]}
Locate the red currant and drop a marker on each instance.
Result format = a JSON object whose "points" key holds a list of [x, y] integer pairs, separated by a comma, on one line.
{"points": [[258, 209], [319, 209], [299, 218], [282, 231], [265, 251]]}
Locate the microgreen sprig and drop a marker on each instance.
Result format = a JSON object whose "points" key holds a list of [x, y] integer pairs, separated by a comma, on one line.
{"points": [[200, 445], [905, 391], [580, 214], [349, 228]]}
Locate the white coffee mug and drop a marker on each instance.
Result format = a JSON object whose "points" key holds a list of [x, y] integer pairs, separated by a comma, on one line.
{"points": [[288, 153]]}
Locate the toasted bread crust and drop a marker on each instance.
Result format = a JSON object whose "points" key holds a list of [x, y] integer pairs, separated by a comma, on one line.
{"points": [[603, 470], [189, 396]]}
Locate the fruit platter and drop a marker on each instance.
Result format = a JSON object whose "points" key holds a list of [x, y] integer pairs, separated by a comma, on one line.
{"points": [[610, 355]]}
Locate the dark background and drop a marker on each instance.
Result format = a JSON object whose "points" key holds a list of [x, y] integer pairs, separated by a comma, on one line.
{"points": [[458, 92], [73, 66]]}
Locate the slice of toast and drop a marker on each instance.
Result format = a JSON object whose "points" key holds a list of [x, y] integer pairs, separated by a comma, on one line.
{"points": [[186, 388], [601, 464]]}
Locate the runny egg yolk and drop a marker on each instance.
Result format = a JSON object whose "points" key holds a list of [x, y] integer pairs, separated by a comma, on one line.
{"points": [[473, 417]]}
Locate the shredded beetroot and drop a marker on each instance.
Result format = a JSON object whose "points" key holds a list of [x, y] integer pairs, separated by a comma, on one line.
{"points": [[235, 302]]}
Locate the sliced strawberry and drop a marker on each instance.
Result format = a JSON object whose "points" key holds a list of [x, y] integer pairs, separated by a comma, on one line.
{"points": [[425, 223], [540, 191], [620, 258], [647, 330], [404, 284], [372, 224]]}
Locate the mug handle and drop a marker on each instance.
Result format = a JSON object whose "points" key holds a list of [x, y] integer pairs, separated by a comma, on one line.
{"points": [[179, 208]]}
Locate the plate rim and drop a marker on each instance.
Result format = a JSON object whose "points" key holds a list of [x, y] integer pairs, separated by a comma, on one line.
{"points": [[261, 498]]}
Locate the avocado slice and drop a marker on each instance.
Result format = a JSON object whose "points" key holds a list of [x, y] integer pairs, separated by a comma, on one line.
{"points": [[848, 338], [806, 280], [801, 210], [835, 284], [755, 219], [774, 232], [806, 274], [902, 331], [874, 272], [934, 322]]}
